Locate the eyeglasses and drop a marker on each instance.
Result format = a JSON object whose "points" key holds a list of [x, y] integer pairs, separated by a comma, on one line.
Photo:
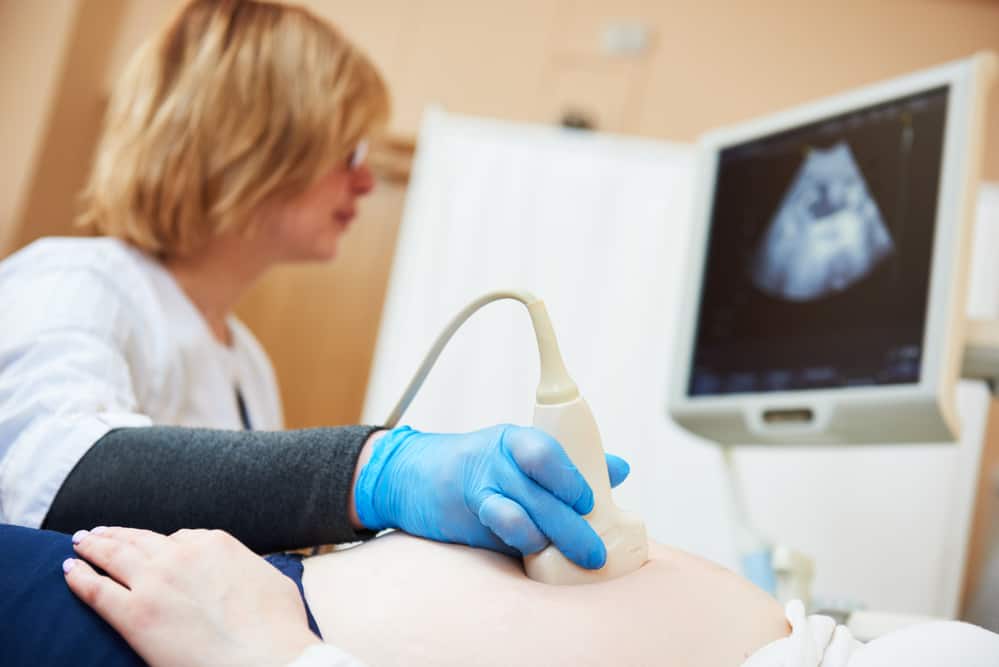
{"points": [[358, 155]]}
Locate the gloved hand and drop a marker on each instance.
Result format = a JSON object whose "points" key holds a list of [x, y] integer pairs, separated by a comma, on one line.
{"points": [[506, 488]]}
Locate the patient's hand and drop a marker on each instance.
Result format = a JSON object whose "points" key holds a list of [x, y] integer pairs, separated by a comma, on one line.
{"points": [[198, 597]]}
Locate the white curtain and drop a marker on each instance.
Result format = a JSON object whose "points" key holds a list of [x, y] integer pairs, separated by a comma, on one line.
{"points": [[597, 226]]}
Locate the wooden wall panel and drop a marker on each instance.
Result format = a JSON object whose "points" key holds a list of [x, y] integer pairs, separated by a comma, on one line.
{"points": [[319, 322], [985, 521], [139, 19], [30, 72], [74, 124]]}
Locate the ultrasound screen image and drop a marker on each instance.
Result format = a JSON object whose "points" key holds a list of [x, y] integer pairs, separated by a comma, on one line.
{"points": [[819, 250], [827, 234]]}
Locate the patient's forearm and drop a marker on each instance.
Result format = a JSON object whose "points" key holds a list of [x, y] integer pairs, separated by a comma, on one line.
{"points": [[403, 600], [273, 490]]}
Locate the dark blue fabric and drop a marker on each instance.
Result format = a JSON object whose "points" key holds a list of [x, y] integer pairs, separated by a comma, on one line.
{"points": [[43, 623], [290, 565]]}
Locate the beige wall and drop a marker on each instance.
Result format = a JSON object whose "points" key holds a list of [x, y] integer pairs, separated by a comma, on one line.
{"points": [[710, 62], [30, 67], [49, 202]]}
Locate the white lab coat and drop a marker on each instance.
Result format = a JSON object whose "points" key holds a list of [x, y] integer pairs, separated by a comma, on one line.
{"points": [[96, 335]]}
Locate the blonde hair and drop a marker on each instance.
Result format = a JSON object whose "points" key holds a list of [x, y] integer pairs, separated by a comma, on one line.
{"points": [[231, 105]]}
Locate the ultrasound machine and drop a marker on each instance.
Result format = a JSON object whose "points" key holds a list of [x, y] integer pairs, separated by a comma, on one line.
{"points": [[827, 280], [828, 268]]}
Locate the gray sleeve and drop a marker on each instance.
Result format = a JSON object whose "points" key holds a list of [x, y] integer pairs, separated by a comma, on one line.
{"points": [[273, 490]]}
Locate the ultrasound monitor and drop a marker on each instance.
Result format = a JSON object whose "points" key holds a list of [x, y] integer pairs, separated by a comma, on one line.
{"points": [[825, 297]]}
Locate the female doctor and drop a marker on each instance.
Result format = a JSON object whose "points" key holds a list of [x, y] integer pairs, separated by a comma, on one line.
{"points": [[129, 393]]}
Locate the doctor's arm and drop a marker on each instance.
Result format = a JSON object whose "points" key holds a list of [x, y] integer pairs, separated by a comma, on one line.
{"points": [[273, 490], [277, 490]]}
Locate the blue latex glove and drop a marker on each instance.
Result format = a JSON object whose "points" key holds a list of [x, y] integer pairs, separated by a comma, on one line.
{"points": [[506, 488]]}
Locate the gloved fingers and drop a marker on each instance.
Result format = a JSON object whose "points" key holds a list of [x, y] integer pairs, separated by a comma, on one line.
{"points": [[493, 543], [562, 525], [617, 469], [510, 523], [542, 458], [471, 532]]}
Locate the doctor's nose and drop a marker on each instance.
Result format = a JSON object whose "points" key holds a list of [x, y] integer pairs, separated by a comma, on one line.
{"points": [[362, 180]]}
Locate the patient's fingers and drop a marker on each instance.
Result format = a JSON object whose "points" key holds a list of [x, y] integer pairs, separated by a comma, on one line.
{"points": [[102, 594], [146, 541], [121, 559], [202, 536], [511, 523]]}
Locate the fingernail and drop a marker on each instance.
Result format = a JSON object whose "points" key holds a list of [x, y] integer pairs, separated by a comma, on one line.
{"points": [[68, 565], [79, 535], [98, 530]]}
